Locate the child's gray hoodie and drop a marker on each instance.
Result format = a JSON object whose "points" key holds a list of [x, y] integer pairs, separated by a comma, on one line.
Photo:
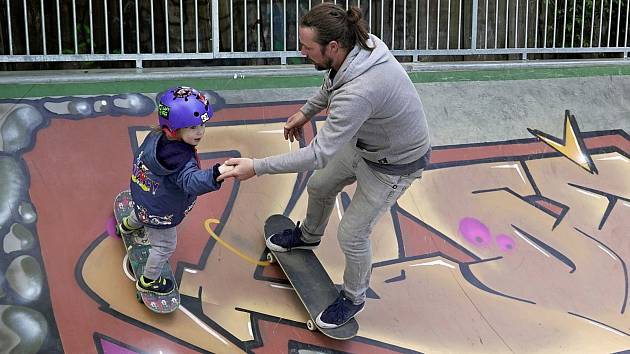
{"points": [[373, 105]]}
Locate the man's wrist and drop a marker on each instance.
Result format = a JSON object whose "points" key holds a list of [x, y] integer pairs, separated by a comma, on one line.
{"points": [[257, 166]]}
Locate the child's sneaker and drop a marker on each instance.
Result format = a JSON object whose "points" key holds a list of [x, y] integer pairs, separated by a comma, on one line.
{"points": [[123, 227], [339, 312], [161, 285], [289, 239]]}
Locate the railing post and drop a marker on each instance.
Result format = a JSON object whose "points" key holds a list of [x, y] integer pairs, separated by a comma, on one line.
{"points": [[215, 29], [473, 38]]}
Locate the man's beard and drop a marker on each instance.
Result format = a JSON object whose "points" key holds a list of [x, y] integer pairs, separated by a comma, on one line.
{"points": [[327, 65]]}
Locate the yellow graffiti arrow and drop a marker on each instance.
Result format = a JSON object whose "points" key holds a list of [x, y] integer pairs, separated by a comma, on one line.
{"points": [[571, 146]]}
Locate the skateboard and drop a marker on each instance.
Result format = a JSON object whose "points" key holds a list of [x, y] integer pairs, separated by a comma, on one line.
{"points": [[137, 247], [309, 279]]}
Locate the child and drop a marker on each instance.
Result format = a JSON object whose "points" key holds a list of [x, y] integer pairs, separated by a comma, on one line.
{"points": [[166, 179]]}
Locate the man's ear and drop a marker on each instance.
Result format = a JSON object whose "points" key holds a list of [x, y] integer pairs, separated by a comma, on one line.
{"points": [[334, 45]]}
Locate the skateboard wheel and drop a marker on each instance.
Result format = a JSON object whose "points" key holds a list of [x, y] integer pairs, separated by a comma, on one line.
{"points": [[270, 258], [311, 325], [130, 268]]}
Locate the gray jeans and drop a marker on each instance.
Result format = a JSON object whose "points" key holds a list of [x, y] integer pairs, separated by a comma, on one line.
{"points": [[375, 194], [163, 243]]}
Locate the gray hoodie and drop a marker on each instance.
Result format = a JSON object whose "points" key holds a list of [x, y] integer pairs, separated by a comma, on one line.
{"points": [[373, 105]]}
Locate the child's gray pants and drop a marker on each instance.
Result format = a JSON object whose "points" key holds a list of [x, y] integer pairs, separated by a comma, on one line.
{"points": [[163, 243]]}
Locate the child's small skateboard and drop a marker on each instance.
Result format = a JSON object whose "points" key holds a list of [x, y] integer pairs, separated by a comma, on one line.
{"points": [[309, 279], [137, 246]]}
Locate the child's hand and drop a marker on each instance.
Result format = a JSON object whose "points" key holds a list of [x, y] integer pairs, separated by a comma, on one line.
{"points": [[225, 168]]}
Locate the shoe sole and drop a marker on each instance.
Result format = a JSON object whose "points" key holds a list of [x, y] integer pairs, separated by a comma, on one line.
{"points": [[276, 248], [320, 324]]}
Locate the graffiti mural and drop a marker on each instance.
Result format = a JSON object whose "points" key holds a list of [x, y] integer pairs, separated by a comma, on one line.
{"points": [[515, 246]]}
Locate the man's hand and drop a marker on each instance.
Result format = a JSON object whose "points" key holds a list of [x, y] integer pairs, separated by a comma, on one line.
{"points": [[293, 127], [242, 169]]}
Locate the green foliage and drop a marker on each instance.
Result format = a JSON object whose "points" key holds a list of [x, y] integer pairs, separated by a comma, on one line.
{"points": [[592, 23]]}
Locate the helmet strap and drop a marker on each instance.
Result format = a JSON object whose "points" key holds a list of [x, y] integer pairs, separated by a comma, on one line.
{"points": [[170, 134]]}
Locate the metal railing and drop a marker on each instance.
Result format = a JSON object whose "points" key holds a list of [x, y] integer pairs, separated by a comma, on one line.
{"points": [[144, 30]]}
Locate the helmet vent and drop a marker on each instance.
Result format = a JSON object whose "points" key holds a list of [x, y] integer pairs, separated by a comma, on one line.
{"points": [[196, 114]]}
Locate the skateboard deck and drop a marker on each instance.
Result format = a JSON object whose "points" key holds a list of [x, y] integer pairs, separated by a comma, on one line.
{"points": [[137, 247], [309, 279]]}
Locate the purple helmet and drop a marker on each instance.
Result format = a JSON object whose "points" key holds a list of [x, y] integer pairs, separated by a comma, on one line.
{"points": [[182, 107]]}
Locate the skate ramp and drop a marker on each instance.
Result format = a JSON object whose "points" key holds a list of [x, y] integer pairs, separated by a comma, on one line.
{"points": [[515, 239]]}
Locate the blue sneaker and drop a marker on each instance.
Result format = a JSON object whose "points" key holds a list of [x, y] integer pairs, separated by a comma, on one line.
{"points": [[289, 239], [338, 313]]}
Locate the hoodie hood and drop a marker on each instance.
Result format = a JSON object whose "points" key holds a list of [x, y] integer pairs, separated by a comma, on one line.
{"points": [[360, 60], [149, 157]]}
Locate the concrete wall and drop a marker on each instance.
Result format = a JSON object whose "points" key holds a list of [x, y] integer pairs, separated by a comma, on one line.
{"points": [[483, 111]]}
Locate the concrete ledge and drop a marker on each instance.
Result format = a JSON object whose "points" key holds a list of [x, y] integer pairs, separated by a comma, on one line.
{"points": [[234, 72]]}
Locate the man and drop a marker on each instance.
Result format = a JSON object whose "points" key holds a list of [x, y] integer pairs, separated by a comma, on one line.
{"points": [[375, 134]]}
